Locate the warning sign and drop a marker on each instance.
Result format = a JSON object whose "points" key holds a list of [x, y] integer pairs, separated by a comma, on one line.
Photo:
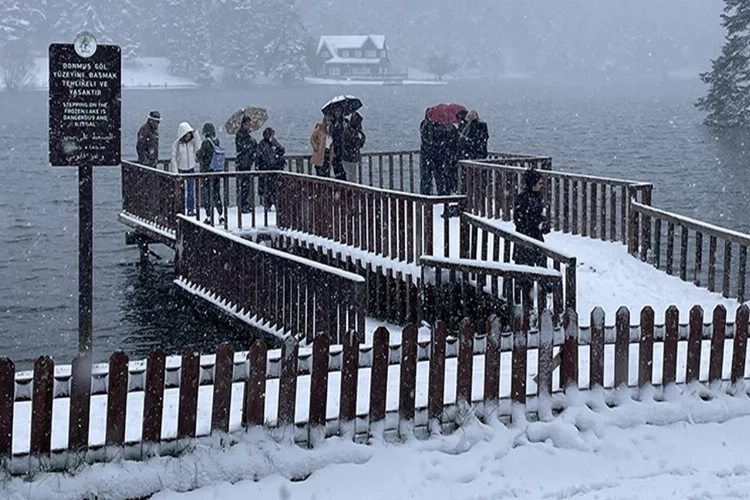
{"points": [[84, 104]]}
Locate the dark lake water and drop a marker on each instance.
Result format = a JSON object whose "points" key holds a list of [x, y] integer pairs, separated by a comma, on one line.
{"points": [[642, 133]]}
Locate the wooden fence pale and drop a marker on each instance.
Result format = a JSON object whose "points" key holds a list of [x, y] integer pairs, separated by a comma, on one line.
{"points": [[168, 381]]}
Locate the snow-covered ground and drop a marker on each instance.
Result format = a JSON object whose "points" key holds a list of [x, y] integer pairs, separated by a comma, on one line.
{"points": [[149, 72], [682, 448]]}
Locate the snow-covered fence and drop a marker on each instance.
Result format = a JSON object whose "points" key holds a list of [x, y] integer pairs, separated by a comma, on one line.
{"points": [[475, 289], [594, 207], [60, 416], [393, 224], [278, 293], [482, 240], [653, 239], [153, 196], [393, 289]]}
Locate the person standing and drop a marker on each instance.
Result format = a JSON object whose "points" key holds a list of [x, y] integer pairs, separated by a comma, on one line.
{"points": [[323, 149], [426, 155], [336, 130], [183, 159], [147, 145], [354, 141], [270, 157], [246, 148], [473, 137], [211, 159], [530, 219]]}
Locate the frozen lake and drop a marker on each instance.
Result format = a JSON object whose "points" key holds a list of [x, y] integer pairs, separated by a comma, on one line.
{"points": [[651, 133]]}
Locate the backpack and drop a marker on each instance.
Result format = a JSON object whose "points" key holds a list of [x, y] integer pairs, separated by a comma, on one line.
{"points": [[217, 157]]}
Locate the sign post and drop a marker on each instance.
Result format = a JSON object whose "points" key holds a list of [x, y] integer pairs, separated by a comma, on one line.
{"points": [[84, 131]]}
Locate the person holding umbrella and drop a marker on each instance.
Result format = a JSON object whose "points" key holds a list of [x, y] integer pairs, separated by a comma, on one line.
{"points": [[337, 108], [246, 148]]}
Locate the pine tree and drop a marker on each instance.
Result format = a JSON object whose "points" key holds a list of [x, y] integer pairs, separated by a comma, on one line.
{"points": [[190, 42], [284, 53], [727, 101], [17, 27], [110, 21], [240, 45]]}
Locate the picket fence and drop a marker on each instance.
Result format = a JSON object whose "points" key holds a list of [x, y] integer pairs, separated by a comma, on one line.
{"points": [[135, 409]]}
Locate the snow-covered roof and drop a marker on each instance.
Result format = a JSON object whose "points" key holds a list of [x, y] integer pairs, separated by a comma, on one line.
{"points": [[350, 42], [353, 60]]}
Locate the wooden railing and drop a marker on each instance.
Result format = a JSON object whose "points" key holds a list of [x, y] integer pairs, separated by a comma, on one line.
{"points": [[276, 292], [152, 195], [393, 291], [482, 240], [652, 238], [458, 288], [590, 206], [392, 224], [517, 160], [134, 410]]}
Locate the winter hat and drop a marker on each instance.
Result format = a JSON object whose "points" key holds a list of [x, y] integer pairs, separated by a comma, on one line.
{"points": [[154, 115], [531, 177]]}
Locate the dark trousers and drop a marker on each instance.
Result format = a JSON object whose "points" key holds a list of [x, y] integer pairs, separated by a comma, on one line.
{"points": [[211, 194], [267, 190], [246, 184], [324, 170], [427, 173]]}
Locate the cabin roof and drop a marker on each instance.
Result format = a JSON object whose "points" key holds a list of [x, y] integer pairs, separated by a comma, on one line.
{"points": [[334, 43]]}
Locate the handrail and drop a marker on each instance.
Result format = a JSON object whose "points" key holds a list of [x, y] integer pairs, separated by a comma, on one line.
{"points": [[694, 224], [275, 290], [519, 238], [563, 175], [646, 242]]}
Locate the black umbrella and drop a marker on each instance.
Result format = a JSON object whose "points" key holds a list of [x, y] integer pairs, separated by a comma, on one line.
{"points": [[348, 104]]}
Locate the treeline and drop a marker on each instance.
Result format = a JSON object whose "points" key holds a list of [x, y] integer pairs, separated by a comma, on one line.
{"points": [[244, 37], [541, 38]]}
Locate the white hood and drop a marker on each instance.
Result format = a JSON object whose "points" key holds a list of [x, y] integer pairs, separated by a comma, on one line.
{"points": [[182, 129], [183, 154]]}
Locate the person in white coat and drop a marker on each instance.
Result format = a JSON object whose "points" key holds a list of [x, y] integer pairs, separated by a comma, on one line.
{"points": [[183, 159]]}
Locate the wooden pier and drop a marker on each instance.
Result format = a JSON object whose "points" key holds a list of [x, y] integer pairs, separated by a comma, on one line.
{"points": [[332, 253]]}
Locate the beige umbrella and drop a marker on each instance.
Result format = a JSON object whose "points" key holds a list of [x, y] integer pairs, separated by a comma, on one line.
{"points": [[258, 117]]}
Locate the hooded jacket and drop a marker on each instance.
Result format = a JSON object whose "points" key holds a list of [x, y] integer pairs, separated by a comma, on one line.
{"points": [[206, 152], [183, 153]]}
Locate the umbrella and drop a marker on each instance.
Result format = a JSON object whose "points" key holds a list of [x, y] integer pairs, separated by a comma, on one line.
{"points": [[347, 103], [445, 113], [258, 117]]}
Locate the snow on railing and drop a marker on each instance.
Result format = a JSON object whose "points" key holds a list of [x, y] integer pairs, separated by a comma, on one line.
{"points": [[650, 227]]}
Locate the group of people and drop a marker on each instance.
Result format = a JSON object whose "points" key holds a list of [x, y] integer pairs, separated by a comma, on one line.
{"points": [[337, 144], [444, 145], [190, 153]]}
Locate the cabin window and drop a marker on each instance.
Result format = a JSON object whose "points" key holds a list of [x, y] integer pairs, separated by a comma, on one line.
{"points": [[357, 53], [382, 53], [334, 71], [344, 53], [371, 53]]}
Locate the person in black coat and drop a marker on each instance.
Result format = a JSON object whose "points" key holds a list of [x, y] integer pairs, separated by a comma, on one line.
{"points": [[530, 219], [473, 137], [426, 155], [270, 157], [246, 148]]}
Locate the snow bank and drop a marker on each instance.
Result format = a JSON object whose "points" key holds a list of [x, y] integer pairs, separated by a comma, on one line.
{"points": [[637, 450]]}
